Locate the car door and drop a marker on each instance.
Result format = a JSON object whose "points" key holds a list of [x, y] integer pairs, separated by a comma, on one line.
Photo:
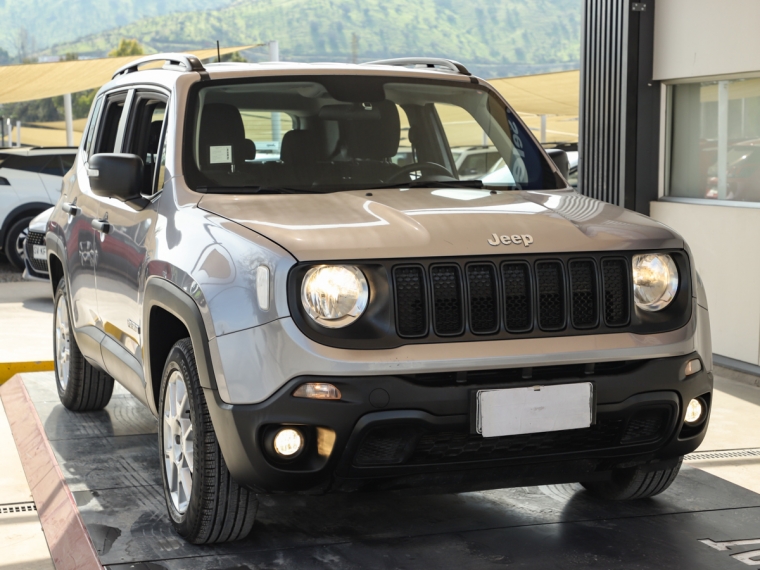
{"points": [[82, 241], [121, 268]]}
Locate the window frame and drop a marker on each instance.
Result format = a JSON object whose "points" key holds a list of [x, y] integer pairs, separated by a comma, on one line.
{"points": [[667, 116]]}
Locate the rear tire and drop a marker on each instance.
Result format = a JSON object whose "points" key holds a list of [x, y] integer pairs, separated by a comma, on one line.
{"points": [[81, 386], [205, 504], [634, 483], [14, 242]]}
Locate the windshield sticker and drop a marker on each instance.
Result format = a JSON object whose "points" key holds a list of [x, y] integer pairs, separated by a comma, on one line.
{"points": [[518, 167], [220, 155]]}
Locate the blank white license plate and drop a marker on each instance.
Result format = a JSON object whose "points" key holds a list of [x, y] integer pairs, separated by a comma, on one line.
{"points": [[39, 252], [534, 409]]}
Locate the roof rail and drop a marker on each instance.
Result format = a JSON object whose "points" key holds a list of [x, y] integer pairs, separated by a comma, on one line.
{"points": [[188, 61], [429, 62]]}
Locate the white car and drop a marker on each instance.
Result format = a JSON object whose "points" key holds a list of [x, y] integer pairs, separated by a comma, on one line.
{"points": [[473, 162], [30, 182], [35, 250]]}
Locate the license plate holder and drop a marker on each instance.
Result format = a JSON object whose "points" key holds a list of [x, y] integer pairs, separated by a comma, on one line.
{"points": [[39, 252], [534, 409]]}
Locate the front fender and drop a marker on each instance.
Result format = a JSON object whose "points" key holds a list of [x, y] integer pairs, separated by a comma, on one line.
{"points": [[169, 297]]}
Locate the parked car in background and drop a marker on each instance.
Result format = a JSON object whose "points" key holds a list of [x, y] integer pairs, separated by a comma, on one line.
{"points": [[742, 173], [35, 250], [30, 182], [501, 174], [474, 162]]}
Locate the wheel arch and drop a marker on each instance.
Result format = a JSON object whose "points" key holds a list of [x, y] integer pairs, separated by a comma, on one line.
{"points": [[169, 315], [29, 208]]}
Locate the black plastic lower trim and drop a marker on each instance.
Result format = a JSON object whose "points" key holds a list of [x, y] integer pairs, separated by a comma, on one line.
{"points": [[644, 404]]}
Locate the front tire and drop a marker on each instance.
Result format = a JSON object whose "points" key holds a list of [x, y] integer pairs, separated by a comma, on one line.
{"points": [[634, 483], [205, 504], [81, 386], [14, 242]]}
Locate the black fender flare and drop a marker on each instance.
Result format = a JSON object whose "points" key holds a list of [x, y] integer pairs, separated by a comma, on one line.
{"points": [[174, 300], [29, 207]]}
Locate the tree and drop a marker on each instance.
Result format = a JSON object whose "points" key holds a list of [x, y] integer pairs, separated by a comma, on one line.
{"points": [[5, 59], [234, 56], [127, 47]]}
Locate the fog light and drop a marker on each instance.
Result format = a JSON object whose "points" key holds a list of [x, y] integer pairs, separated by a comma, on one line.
{"points": [[317, 391], [693, 366], [288, 442], [694, 412]]}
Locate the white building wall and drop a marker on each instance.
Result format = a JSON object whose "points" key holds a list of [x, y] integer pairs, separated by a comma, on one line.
{"points": [[725, 244], [697, 38]]}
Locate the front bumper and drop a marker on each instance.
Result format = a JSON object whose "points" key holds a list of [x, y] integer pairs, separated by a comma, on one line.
{"points": [[417, 431]]}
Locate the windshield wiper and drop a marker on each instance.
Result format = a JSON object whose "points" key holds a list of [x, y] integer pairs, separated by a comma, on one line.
{"points": [[430, 184], [255, 190]]}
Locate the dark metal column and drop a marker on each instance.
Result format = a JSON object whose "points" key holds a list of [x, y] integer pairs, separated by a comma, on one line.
{"points": [[620, 104]]}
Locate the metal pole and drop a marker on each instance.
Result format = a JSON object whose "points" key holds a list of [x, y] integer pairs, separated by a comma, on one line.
{"points": [[2, 132], [9, 131], [274, 55], [18, 133], [543, 129], [722, 139], [69, 119]]}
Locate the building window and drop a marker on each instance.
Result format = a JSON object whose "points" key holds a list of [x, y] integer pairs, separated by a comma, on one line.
{"points": [[715, 140]]}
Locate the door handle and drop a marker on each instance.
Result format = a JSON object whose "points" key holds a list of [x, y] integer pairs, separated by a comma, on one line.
{"points": [[70, 209], [101, 225]]}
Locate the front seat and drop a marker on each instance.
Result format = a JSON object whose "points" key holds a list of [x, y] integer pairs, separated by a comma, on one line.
{"points": [[370, 144], [222, 139]]}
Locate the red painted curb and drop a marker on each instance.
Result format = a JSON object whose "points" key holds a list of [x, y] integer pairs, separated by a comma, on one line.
{"points": [[67, 537]]}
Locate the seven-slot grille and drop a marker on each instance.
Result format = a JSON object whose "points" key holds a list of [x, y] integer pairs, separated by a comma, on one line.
{"points": [[35, 238], [486, 297]]}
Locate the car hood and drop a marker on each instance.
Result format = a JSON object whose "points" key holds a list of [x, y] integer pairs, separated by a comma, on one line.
{"points": [[422, 222], [40, 222]]}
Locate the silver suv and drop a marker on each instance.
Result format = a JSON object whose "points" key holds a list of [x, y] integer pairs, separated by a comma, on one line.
{"points": [[328, 320]]}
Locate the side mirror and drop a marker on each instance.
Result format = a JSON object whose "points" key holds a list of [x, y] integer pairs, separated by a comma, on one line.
{"points": [[117, 176], [559, 157]]}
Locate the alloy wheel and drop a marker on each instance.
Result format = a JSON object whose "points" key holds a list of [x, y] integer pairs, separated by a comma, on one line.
{"points": [[178, 441], [62, 341], [21, 242]]}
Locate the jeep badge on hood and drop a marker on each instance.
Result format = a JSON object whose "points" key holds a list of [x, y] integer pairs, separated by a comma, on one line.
{"points": [[526, 240]]}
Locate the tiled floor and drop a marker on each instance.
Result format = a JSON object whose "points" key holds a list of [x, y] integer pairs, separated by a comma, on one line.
{"points": [[109, 461]]}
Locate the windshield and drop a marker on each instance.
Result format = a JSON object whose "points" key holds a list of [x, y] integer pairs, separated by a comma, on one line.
{"points": [[332, 133]]}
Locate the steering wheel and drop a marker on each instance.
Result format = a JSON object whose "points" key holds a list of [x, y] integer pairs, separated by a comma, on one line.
{"points": [[421, 166]]}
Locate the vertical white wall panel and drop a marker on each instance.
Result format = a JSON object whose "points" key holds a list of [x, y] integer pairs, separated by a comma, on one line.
{"points": [[725, 242], [698, 38]]}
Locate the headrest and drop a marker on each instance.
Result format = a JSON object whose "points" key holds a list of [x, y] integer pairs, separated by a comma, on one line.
{"points": [[249, 149], [221, 126], [301, 146], [377, 139], [154, 136]]}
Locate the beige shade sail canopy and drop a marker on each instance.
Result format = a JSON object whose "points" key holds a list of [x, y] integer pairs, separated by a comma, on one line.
{"points": [[42, 80], [544, 94]]}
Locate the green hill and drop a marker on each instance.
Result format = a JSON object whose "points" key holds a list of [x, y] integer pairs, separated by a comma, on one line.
{"points": [[494, 37], [48, 22]]}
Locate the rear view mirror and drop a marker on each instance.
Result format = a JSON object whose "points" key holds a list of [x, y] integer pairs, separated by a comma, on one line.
{"points": [[559, 157], [353, 112], [117, 176]]}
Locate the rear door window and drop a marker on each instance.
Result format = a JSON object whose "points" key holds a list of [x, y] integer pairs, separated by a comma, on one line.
{"points": [[109, 125], [144, 136], [53, 166]]}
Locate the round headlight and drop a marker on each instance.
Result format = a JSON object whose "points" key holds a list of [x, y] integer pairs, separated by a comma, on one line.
{"points": [[334, 295], [655, 281]]}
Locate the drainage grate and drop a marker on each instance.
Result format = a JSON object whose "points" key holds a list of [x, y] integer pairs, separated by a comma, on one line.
{"points": [[727, 454], [14, 508]]}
